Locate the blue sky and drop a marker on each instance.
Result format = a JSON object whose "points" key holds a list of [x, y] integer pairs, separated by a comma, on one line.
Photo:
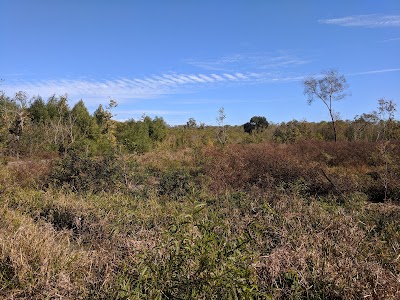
{"points": [[182, 59]]}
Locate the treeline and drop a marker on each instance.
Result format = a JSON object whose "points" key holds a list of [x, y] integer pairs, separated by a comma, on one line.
{"points": [[52, 127], [49, 128]]}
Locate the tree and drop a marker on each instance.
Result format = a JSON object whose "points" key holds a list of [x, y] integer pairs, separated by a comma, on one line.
{"points": [[104, 120], [191, 123], [386, 111], [38, 111], [84, 123], [158, 129], [222, 136], [19, 119], [257, 123], [249, 127], [328, 88]]}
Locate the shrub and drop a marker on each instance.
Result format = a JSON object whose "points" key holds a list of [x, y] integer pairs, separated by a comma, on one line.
{"points": [[195, 260], [177, 183], [82, 173], [322, 167]]}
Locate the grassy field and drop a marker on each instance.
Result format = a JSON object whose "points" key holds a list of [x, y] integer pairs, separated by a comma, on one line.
{"points": [[309, 220]]}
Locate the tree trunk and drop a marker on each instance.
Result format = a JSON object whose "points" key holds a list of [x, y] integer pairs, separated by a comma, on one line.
{"points": [[333, 125]]}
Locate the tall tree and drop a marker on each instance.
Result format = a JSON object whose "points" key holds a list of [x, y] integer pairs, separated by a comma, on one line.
{"points": [[104, 120], [328, 88], [84, 122], [38, 111], [386, 111]]}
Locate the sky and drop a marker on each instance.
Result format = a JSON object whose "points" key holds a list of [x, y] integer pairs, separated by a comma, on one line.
{"points": [[180, 59]]}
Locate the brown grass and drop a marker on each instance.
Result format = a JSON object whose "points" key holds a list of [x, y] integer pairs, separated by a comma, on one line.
{"points": [[265, 218]]}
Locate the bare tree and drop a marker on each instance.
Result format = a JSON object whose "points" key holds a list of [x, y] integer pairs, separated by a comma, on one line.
{"points": [[328, 88], [14, 117], [222, 136]]}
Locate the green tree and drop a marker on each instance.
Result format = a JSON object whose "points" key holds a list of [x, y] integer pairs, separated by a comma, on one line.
{"points": [[84, 122], [141, 136], [158, 129], [38, 111], [106, 125], [328, 88], [257, 123]]}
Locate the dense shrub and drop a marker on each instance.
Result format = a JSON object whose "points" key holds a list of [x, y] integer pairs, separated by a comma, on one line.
{"points": [[177, 183], [82, 173], [263, 165], [320, 167]]}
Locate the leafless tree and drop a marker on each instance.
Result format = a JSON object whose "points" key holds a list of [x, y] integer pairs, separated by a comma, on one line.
{"points": [[328, 88]]}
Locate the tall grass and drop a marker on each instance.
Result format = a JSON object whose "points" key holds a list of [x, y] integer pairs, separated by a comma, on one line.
{"points": [[244, 222]]}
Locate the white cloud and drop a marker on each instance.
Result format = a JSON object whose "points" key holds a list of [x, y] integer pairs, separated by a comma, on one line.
{"points": [[375, 72], [124, 88], [150, 87], [206, 78], [241, 76], [246, 61], [196, 79], [217, 77], [365, 21], [390, 40], [230, 77], [141, 112]]}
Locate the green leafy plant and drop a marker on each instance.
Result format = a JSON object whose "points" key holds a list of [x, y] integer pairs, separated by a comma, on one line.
{"points": [[195, 260]]}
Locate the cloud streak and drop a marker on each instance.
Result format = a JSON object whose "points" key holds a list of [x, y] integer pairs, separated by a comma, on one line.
{"points": [[375, 72], [154, 86], [127, 88], [369, 21], [245, 61], [390, 40]]}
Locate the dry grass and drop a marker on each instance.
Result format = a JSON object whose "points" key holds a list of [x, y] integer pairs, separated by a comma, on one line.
{"points": [[253, 221]]}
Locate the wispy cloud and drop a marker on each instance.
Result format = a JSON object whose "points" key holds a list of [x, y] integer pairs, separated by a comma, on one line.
{"points": [[390, 40], [128, 88], [152, 112], [126, 114], [375, 72], [154, 86], [246, 61], [370, 21]]}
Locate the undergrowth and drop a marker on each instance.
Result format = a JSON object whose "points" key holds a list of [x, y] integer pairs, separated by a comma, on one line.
{"points": [[244, 222]]}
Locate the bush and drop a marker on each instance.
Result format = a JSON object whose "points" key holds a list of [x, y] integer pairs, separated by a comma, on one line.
{"points": [[322, 167], [82, 173], [195, 260], [177, 183]]}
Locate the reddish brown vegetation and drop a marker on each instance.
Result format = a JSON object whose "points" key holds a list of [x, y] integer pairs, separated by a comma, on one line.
{"points": [[320, 167]]}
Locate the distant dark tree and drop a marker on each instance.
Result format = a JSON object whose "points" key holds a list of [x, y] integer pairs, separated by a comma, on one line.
{"points": [[257, 123], [249, 127], [328, 88], [191, 123]]}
